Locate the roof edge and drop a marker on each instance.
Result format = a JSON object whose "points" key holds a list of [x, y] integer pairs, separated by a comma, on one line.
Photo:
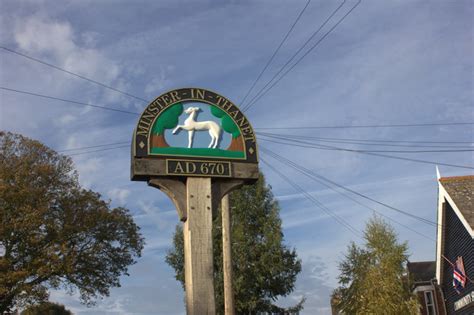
{"points": [[450, 200]]}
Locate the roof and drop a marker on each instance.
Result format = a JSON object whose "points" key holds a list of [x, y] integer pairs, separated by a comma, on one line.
{"points": [[422, 271], [461, 191]]}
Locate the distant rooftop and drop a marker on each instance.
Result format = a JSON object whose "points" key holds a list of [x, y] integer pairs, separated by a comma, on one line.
{"points": [[461, 190], [422, 271]]}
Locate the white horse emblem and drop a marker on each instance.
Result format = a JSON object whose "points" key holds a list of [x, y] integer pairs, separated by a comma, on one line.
{"points": [[191, 125]]}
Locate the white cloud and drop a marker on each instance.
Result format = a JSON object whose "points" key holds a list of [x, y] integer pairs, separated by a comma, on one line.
{"points": [[56, 42], [119, 195], [65, 119], [156, 85], [38, 34], [87, 168], [164, 220]]}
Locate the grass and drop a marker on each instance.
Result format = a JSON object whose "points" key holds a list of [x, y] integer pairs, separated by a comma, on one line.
{"points": [[202, 152]]}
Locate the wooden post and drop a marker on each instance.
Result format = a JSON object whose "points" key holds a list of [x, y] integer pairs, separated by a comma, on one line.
{"points": [[227, 257], [198, 254]]}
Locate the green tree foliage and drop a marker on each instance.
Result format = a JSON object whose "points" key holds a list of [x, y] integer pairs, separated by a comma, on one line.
{"points": [[168, 119], [227, 123], [373, 277], [264, 268], [46, 308], [55, 233]]}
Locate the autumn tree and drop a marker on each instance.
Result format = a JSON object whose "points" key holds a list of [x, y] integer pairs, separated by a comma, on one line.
{"points": [[373, 276], [46, 308], [55, 233], [264, 268]]}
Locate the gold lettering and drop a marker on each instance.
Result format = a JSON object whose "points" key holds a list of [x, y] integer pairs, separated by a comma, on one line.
{"points": [[224, 103], [190, 167], [247, 133], [230, 105], [158, 104], [166, 99], [148, 116], [141, 132], [246, 130], [227, 105], [219, 100], [241, 121], [234, 114], [178, 168], [152, 108], [175, 97], [250, 137], [143, 126], [197, 93]]}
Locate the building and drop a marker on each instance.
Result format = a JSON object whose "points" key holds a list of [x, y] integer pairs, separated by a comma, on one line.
{"points": [[422, 274], [433, 280], [455, 238]]}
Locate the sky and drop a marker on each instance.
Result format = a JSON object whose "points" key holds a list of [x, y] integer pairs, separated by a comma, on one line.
{"points": [[388, 62]]}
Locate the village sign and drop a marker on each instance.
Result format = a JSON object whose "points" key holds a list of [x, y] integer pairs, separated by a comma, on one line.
{"points": [[196, 174]]}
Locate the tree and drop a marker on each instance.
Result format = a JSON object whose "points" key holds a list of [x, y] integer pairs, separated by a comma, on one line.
{"points": [[229, 126], [167, 120], [373, 277], [55, 233], [46, 308], [264, 268]]}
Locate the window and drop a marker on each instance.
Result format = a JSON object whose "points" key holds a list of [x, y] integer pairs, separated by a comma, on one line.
{"points": [[429, 302]]}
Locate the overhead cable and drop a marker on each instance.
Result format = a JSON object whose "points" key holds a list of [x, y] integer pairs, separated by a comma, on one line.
{"points": [[381, 142], [328, 211], [332, 148], [316, 32], [309, 173], [301, 58], [275, 156], [275, 53], [72, 73], [369, 126], [68, 101]]}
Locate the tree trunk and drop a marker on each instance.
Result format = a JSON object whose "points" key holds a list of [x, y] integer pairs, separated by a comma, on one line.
{"points": [[158, 141], [237, 144]]}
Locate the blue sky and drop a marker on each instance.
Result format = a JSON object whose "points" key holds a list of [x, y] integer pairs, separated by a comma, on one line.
{"points": [[389, 62]]}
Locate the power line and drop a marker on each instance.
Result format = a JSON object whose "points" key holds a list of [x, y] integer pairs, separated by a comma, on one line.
{"points": [[303, 56], [68, 101], [331, 148], [313, 175], [100, 150], [258, 128], [353, 142], [94, 146], [380, 142], [369, 151], [370, 126], [72, 73], [298, 51], [328, 211], [275, 52], [353, 199], [310, 173], [314, 147], [281, 159]]}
